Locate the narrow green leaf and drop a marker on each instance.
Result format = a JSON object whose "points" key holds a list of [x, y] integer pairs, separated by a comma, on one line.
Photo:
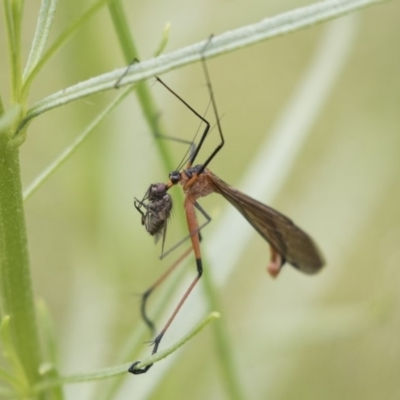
{"points": [[164, 40], [245, 36], [59, 42], [123, 369], [70, 150], [12, 12], [164, 353], [43, 27]]}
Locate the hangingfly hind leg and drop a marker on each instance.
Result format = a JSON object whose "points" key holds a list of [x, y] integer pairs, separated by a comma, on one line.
{"points": [[194, 230], [158, 205], [195, 238]]}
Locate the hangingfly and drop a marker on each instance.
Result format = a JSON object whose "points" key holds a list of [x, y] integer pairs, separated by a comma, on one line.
{"points": [[288, 243]]}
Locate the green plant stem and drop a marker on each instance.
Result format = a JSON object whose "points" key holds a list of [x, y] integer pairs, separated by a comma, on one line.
{"points": [[223, 346], [16, 287], [1, 107]]}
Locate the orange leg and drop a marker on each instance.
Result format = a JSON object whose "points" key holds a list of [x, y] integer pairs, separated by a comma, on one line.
{"points": [[193, 227], [150, 290]]}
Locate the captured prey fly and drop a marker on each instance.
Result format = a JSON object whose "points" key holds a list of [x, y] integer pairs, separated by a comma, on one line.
{"points": [[158, 206], [288, 243]]}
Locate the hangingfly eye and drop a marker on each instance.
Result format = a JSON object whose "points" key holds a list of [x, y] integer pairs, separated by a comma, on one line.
{"points": [[287, 242]]}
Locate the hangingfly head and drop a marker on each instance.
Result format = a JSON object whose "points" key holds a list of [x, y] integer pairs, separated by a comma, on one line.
{"points": [[174, 177]]}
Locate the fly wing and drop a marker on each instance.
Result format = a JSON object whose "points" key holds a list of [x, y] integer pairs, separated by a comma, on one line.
{"points": [[292, 243]]}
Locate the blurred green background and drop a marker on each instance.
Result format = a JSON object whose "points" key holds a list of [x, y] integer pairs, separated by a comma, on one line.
{"points": [[332, 336]]}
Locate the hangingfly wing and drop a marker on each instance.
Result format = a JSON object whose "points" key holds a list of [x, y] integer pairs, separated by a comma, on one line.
{"points": [[293, 244]]}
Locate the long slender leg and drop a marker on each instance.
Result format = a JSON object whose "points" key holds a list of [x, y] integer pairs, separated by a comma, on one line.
{"points": [[207, 128], [150, 290], [175, 246], [192, 146], [193, 226], [214, 106], [193, 153], [158, 135], [116, 84]]}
